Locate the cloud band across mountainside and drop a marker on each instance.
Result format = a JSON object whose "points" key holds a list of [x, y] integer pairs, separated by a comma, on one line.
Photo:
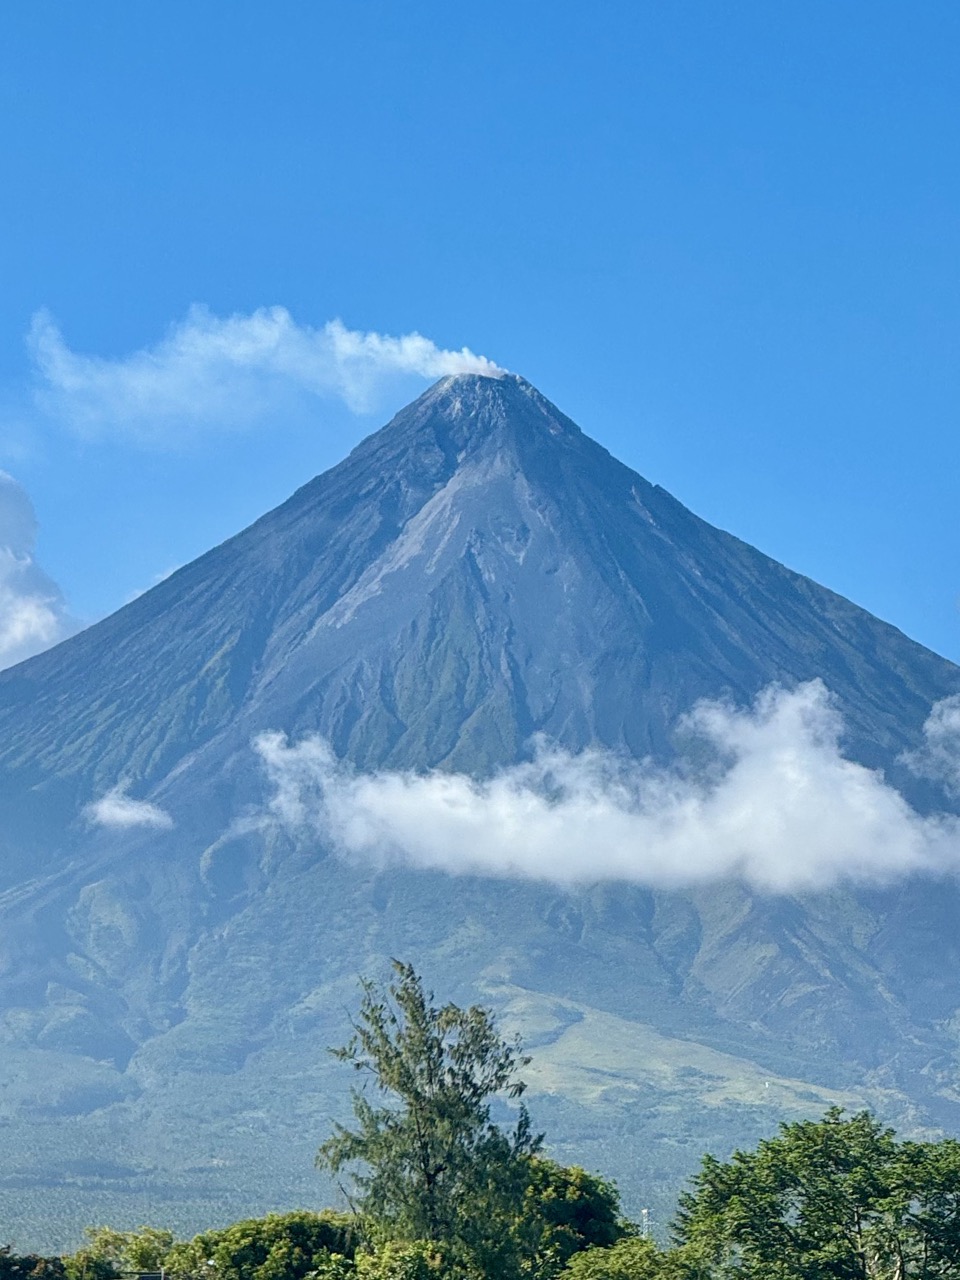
{"points": [[777, 805]]}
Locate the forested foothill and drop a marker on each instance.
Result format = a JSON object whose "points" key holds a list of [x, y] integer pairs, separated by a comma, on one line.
{"points": [[438, 1189]]}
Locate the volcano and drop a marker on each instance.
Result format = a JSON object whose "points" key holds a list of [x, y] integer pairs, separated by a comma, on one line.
{"points": [[476, 574]]}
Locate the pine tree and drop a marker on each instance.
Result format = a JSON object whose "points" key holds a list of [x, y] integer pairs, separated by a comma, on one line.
{"points": [[428, 1162]]}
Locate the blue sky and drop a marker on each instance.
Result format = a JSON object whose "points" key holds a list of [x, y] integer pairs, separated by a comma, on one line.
{"points": [[723, 238]]}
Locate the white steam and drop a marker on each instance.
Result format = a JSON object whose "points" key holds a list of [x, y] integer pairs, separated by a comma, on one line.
{"points": [[212, 372], [33, 613], [117, 810], [780, 807]]}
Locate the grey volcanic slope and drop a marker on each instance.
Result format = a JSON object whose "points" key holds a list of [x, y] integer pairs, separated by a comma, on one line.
{"points": [[476, 572]]}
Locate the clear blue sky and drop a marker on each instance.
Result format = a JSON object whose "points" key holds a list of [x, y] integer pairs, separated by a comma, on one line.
{"points": [[723, 237]]}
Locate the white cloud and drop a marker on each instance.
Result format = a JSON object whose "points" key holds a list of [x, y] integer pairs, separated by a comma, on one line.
{"points": [[117, 810], [33, 614], [939, 757], [778, 806], [212, 372]]}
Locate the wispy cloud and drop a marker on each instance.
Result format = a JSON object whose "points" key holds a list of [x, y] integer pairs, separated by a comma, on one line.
{"points": [[778, 806], [33, 613], [939, 757], [216, 373], [116, 809]]}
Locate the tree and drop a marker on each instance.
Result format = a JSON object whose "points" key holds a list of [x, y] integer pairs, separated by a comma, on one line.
{"points": [[398, 1260], [565, 1211], [630, 1259], [929, 1176], [110, 1251], [428, 1162], [281, 1246], [836, 1199], [29, 1266]]}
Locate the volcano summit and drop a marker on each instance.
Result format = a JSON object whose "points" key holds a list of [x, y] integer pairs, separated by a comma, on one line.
{"points": [[180, 931]]}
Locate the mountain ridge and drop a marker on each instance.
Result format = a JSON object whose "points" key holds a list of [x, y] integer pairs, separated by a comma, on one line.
{"points": [[379, 454]]}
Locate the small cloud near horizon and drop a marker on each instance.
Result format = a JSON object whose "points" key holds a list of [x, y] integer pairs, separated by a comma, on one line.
{"points": [[216, 373], [779, 807]]}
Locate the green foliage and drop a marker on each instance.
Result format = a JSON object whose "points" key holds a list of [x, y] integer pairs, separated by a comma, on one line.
{"points": [[630, 1259], [564, 1211], [86, 1264], [405, 1260], [429, 1164], [286, 1246], [835, 1199], [839, 1198], [110, 1251], [29, 1266], [334, 1266]]}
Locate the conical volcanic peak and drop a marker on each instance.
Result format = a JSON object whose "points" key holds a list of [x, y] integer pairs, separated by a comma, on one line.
{"points": [[466, 413], [476, 573], [488, 402]]}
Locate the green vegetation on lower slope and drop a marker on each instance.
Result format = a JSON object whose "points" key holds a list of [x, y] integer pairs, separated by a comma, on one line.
{"points": [[84, 1142], [594, 1057], [439, 1190]]}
